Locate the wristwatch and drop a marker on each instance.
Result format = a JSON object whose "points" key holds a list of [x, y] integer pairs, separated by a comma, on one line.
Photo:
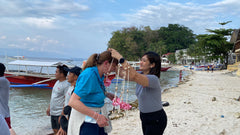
{"points": [[121, 60]]}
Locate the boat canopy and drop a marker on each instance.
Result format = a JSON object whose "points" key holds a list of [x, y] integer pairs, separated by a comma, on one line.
{"points": [[35, 63]]}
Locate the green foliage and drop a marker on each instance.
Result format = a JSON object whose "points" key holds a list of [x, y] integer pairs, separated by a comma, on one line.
{"points": [[172, 58], [196, 51], [176, 37], [215, 45], [133, 42]]}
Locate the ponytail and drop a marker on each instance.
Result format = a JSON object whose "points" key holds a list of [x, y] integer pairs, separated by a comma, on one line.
{"points": [[98, 59]]}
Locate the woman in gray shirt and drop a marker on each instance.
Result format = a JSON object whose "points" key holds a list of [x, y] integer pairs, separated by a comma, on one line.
{"points": [[148, 91]]}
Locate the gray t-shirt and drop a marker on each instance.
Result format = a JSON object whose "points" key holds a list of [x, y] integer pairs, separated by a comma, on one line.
{"points": [[4, 130], [58, 97], [4, 97], [149, 98], [68, 94]]}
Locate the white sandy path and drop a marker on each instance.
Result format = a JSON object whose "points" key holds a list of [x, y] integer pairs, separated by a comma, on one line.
{"points": [[192, 111]]}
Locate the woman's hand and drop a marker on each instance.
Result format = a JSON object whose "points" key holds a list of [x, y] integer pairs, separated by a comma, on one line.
{"points": [[115, 53], [102, 121], [61, 132]]}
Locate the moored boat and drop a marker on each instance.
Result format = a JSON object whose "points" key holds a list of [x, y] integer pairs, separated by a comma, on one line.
{"points": [[27, 77], [136, 65]]}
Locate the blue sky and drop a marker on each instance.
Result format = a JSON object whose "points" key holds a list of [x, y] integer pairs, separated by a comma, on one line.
{"points": [[79, 28]]}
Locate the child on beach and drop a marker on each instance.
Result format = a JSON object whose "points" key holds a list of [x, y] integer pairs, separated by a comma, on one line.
{"points": [[148, 91], [212, 68], [89, 115], [57, 98]]}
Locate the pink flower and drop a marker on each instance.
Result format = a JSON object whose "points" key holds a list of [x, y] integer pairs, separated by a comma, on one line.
{"points": [[122, 104], [107, 82]]}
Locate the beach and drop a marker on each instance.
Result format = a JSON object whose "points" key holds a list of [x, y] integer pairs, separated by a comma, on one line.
{"points": [[203, 104]]}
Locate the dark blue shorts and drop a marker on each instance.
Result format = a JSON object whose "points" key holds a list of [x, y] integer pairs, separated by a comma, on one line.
{"points": [[54, 122], [91, 129]]}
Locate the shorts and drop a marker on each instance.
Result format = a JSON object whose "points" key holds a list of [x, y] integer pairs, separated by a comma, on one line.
{"points": [[8, 122], [54, 122], [91, 129]]}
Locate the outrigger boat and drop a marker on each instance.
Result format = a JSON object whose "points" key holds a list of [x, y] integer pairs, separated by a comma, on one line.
{"points": [[136, 65], [29, 78]]}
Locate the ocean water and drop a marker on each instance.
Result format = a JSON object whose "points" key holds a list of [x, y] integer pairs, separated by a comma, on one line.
{"points": [[28, 105]]}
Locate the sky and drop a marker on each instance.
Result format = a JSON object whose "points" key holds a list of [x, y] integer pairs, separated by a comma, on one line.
{"points": [[79, 28]]}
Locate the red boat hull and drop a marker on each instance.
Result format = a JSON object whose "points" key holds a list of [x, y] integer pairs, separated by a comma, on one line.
{"points": [[162, 69], [165, 68], [29, 80]]}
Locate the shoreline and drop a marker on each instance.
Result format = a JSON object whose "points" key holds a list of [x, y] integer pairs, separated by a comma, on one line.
{"points": [[202, 104]]}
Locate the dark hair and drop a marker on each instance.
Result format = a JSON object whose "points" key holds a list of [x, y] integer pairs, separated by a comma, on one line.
{"points": [[154, 58], [2, 69], [62, 70], [98, 59]]}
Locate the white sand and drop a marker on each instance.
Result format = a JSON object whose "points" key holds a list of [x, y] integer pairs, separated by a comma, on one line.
{"points": [[192, 111]]}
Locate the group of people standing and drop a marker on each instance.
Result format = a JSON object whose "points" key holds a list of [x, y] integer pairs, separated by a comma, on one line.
{"points": [[61, 93], [83, 93]]}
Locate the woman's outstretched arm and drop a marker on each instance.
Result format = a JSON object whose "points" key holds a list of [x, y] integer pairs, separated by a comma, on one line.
{"points": [[133, 74]]}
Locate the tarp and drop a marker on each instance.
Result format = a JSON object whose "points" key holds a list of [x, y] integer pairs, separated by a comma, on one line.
{"points": [[35, 63]]}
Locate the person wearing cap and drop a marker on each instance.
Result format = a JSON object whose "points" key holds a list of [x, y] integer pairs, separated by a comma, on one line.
{"points": [[58, 97], [72, 78]]}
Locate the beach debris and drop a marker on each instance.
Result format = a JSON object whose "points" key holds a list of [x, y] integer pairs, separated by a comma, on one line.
{"points": [[237, 99], [214, 99], [187, 102], [237, 115], [220, 89], [174, 124], [165, 103], [190, 84], [222, 116], [116, 115], [223, 132], [134, 104]]}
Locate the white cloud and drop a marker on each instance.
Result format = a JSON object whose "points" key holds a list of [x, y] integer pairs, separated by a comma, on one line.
{"points": [[28, 39], [33, 40], [195, 16], [3, 37], [32, 49], [40, 22], [228, 7], [39, 8], [38, 43]]}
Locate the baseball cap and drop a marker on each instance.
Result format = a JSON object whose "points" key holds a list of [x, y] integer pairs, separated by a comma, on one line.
{"points": [[76, 70]]}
